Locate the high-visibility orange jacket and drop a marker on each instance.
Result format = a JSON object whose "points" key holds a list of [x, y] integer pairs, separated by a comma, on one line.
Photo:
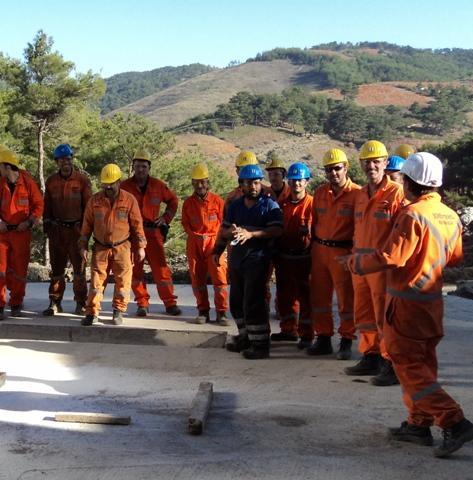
{"points": [[113, 224], [297, 218], [156, 193], [425, 238], [333, 213], [202, 216], [65, 198], [374, 216], [26, 203], [283, 196]]}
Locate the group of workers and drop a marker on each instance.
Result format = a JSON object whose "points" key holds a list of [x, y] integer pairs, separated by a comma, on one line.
{"points": [[380, 248]]}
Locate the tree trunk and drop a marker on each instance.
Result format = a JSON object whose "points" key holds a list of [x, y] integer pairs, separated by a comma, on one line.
{"points": [[42, 184]]}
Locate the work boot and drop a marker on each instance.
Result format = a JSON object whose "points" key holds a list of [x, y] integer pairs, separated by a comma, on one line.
{"points": [[2, 314], [321, 346], [386, 376], [174, 310], [344, 350], [412, 434], [202, 318], [142, 311], [284, 337], [222, 319], [304, 343], [80, 308], [368, 365], [89, 320], [454, 438], [16, 310], [54, 307], [237, 343], [256, 353], [117, 318]]}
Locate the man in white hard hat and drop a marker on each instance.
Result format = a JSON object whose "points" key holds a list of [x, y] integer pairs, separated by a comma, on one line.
{"points": [[425, 238]]}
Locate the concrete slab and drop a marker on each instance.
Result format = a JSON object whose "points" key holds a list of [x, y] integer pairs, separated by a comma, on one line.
{"points": [[291, 416]]}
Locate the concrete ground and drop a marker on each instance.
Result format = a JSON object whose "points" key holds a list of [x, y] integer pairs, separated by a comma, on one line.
{"points": [[291, 416]]}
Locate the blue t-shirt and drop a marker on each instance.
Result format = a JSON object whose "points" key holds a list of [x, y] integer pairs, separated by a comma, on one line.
{"points": [[264, 213]]}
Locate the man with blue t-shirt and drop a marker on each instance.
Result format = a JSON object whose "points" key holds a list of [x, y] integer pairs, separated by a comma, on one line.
{"points": [[251, 223]]}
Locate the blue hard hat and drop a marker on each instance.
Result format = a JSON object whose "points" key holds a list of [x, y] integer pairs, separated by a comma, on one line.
{"points": [[395, 163], [298, 171], [63, 150], [250, 172]]}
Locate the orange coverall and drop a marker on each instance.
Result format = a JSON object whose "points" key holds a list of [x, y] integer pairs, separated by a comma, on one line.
{"points": [[332, 236], [201, 219], [114, 227], [374, 219], [150, 201], [425, 238], [25, 203], [64, 204], [293, 269]]}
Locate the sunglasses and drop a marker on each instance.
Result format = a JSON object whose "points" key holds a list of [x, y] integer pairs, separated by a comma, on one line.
{"points": [[335, 168]]}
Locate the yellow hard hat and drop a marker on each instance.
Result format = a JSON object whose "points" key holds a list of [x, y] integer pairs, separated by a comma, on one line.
{"points": [[110, 173], [333, 156], [142, 154], [7, 156], [275, 163], [404, 150], [373, 149], [200, 171], [246, 158]]}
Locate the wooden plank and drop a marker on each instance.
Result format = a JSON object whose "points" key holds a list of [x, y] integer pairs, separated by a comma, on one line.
{"points": [[89, 417], [3, 377], [200, 408]]}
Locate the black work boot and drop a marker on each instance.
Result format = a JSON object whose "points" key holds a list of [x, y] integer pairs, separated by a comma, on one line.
{"points": [[304, 343], [202, 318], [174, 310], [368, 365], [412, 434], [284, 337], [2, 313], [117, 318], [454, 438], [141, 311], [386, 376], [80, 308], [54, 307], [256, 353], [222, 319], [16, 310], [344, 350], [321, 346], [237, 343], [89, 320]]}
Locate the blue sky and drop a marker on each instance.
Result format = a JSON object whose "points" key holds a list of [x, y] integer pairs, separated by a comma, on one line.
{"points": [[110, 37]]}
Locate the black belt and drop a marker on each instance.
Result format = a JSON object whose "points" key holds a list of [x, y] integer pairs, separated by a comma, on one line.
{"points": [[111, 245], [70, 224], [164, 227], [12, 227], [334, 243]]}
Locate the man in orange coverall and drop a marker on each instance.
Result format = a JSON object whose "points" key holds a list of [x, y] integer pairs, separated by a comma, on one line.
{"points": [[202, 215], [376, 206], [151, 193], [425, 238], [113, 217], [332, 236], [67, 193], [292, 261], [21, 207]]}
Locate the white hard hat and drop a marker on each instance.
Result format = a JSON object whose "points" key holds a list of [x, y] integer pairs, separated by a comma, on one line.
{"points": [[424, 168]]}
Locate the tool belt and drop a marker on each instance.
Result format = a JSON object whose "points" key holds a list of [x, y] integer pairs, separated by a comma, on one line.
{"points": [[164, 228], [70, 224], [111, 245], [333, 243]]}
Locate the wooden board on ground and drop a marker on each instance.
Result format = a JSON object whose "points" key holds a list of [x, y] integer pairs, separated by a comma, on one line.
{"points": [[200, 408], [89, 417]]}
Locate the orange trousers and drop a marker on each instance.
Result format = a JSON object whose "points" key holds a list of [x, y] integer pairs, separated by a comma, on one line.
{"points": [[369, 309], [118, 259], [161, 274], [327, 276], [293, 296], [63, 246], [14, 258], [201, 265], [415, 363]]}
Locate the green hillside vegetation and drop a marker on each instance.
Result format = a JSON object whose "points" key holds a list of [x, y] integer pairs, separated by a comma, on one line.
{"points": [[125, 88]]}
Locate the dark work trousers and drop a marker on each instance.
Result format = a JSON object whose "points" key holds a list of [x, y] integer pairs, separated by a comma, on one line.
{"points": [[248, 305], [63, 246]]}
